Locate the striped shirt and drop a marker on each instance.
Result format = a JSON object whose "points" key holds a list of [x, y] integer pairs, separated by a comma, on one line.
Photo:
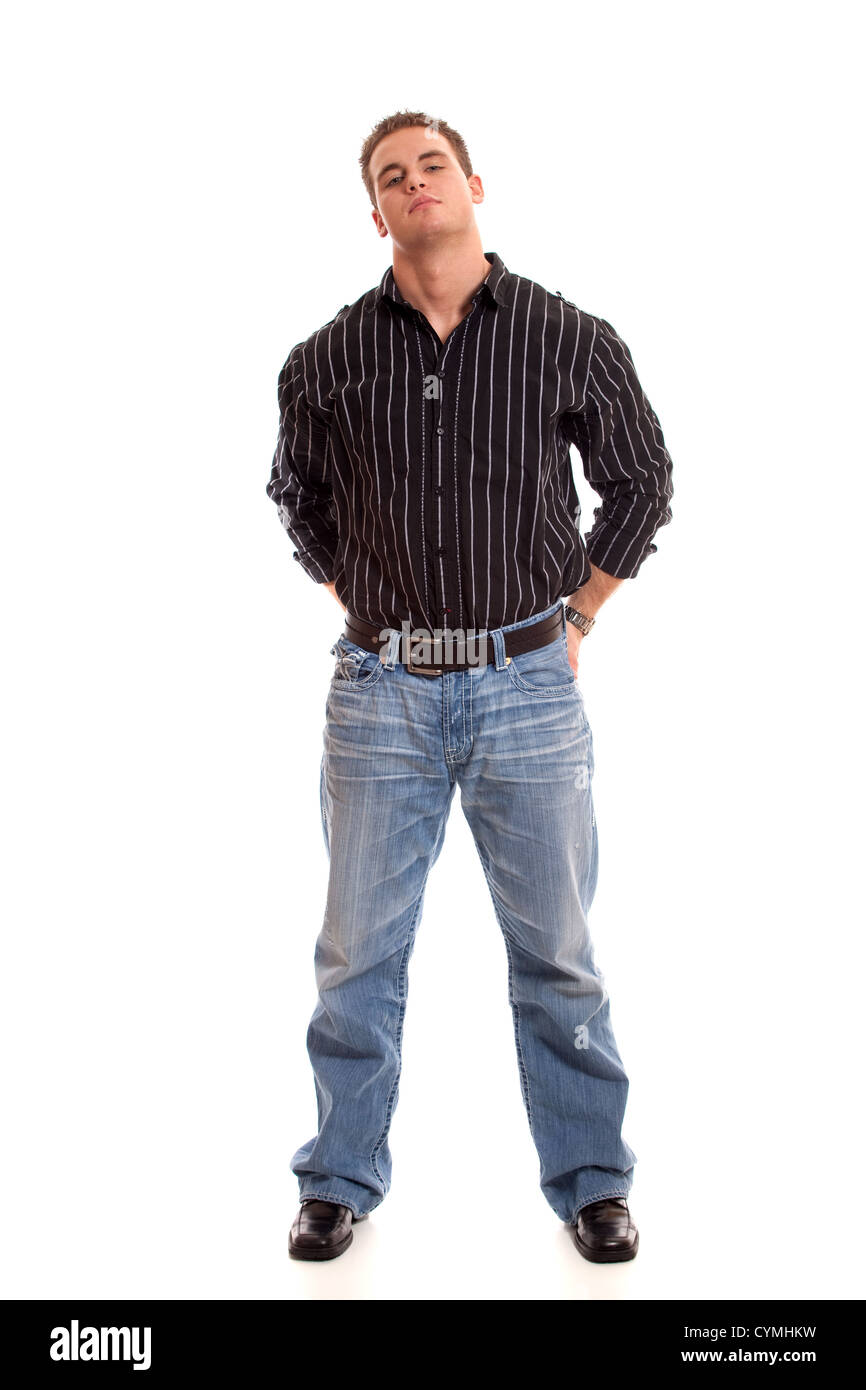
{"points": [[432, 482]]}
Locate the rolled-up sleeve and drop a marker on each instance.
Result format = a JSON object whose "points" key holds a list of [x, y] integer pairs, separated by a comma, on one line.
{"points": [[622, 448], [300, 482]]}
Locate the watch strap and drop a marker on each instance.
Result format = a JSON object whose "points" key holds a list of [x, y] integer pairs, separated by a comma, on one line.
{"points": [[580, 620]]}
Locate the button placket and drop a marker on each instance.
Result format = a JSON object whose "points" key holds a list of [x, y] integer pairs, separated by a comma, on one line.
{"points": [[442, 549]]}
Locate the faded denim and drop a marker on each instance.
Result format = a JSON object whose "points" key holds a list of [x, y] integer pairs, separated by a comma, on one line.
{"points": [[516, 739]]}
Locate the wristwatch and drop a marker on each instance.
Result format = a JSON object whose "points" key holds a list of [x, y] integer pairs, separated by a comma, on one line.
{"points": [[579, 619]]}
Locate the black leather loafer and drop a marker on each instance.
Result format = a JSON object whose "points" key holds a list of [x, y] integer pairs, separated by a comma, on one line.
{"points": [[605, 1231], [320, 1231]]}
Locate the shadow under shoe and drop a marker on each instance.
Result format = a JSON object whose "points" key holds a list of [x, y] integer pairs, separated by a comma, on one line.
{"points": [[605, 1231]]}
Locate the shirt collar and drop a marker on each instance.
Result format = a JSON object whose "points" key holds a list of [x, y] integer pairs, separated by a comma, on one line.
{"points": [[496, 285]]}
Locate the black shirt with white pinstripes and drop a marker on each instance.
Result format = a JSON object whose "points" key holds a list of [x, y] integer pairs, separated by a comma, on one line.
{"points": [[433, 482]]}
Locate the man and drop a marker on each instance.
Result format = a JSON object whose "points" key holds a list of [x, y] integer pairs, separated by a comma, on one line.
{"points": [[423, 473]]}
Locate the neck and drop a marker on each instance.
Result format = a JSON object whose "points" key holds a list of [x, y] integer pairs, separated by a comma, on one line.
{"points": [[441, 280]]}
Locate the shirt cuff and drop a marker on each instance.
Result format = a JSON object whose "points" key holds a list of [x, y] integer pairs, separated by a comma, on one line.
{"points": [[615, 552], [318, 563]]}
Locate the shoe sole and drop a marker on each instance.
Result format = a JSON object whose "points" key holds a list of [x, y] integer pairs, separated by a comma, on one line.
{"points": [[322, 1252], [605, 1257]]}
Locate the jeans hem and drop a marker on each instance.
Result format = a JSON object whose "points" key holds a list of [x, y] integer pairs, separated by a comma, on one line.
{"points": [[598, 1197], [335, 1197]]}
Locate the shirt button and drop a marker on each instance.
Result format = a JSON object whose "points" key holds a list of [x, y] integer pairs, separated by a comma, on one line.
{"points": [[438, 490], [440, 429], [440, 550]]}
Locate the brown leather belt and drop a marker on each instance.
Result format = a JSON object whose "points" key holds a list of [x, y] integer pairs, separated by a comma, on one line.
{"points": [[434, 658]]}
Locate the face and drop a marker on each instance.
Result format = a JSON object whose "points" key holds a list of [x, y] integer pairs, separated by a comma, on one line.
{"points": [[408, 165]]}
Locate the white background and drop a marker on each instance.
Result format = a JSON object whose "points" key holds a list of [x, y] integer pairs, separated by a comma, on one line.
{"points": [[183, 205]]}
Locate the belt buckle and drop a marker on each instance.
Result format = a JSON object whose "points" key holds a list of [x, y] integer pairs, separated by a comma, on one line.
{"points": [[424, 670]]}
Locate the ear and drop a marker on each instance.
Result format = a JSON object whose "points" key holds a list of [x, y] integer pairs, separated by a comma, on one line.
{"points": [[477, 188]]}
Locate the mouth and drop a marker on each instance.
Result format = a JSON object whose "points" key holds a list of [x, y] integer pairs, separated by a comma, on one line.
{"points": [[422, 203]]}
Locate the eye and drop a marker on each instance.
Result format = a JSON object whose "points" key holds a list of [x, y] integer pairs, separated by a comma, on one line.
{"points": [[395, 177]]}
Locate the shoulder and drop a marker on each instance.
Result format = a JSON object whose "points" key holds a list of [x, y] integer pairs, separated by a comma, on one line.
{"points": [[311, 342], [596, 331], [311, 354], [552, 303]]}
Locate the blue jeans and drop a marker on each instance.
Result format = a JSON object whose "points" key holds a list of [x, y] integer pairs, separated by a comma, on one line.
{"points": [[516, 738]]}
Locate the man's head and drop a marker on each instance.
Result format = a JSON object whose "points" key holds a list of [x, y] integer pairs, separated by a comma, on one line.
{"points": [[410, 156]]}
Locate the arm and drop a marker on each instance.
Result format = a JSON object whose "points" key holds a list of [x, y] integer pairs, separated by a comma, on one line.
{"points": [[587, 600], [625, 460], [591, 595], [300, 481], [332, 589]]}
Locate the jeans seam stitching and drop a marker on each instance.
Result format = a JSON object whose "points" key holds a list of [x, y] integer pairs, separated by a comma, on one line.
{"points": [[402, 972], [398, 1041], [524, 1071]]}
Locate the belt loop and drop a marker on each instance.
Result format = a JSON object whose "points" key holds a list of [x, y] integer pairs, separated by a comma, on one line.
{"points": [[393, 648], [498, 648]]}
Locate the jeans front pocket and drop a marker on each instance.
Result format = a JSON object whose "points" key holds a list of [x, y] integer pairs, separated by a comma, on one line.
{"points": [[545, 671], [355, 668]]}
